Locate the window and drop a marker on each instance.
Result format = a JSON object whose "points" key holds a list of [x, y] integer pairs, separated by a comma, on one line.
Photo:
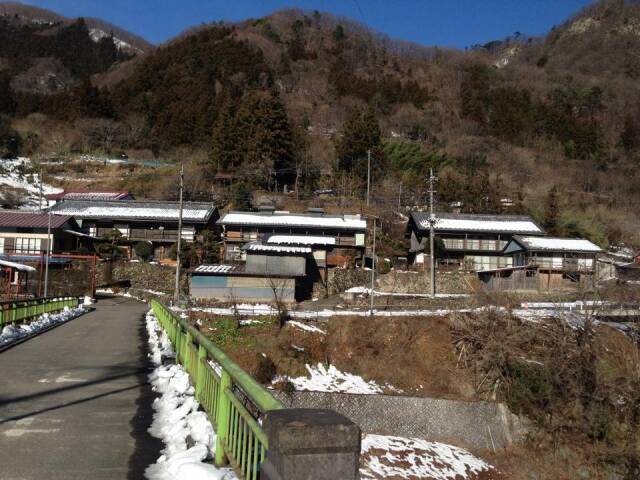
{"points": [[28, 245], [453, 243], [93, 231], [188, 233], [1, 245]]}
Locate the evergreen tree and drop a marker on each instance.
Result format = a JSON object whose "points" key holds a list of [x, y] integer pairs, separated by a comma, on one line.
{"points": [[224, 153], [266, 138], [360, 133], [552, 211]]}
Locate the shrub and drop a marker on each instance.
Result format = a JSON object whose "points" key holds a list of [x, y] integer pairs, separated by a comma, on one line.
{"points": [[144, 250]]}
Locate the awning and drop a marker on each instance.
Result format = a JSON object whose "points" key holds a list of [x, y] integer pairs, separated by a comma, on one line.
{"points": [[17, 266]]}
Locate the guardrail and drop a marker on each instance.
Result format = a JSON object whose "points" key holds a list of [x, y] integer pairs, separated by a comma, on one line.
{"points": [[233, 400], [23, 310]]}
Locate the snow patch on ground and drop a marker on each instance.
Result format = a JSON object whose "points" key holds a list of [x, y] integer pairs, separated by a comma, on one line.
{"points": [[412, 458], [10, 333], [177, 420], [330, 379], [367, 291], [306, 327], [261, 309]]}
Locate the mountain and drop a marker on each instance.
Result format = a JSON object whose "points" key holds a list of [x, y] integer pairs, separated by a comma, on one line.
{"points": [[124, 40]]}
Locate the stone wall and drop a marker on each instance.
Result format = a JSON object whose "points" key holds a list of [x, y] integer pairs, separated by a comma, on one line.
{"points": [[143, 276], [477, 425]]}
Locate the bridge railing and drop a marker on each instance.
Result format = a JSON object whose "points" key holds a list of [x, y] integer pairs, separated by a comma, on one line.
{"points": [[21, 311], [233, 400]]}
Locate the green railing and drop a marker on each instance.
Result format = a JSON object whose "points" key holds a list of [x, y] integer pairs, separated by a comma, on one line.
{"points": [[233, 400], [21, 311]]}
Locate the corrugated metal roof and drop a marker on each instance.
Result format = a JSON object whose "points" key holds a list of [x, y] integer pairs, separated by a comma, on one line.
{"points": [[479, 223], [215, 268], [135, 210], [21, 219]]}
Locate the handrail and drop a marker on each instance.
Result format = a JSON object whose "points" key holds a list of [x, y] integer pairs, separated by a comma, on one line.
{"points": [[257, 393], [240, 439], [23, 310]]}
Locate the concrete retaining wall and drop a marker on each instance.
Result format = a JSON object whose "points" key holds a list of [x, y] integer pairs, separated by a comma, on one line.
{"points": [[476, 425]]}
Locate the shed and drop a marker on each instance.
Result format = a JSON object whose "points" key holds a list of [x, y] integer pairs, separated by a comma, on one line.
{"points": [[232, 283], [15, 278]]}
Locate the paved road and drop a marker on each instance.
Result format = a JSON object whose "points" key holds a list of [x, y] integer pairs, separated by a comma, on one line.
{"points": [[75, 403]]}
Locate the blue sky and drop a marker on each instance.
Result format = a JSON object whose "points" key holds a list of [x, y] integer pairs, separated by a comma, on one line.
{"points": [[452, 23]]}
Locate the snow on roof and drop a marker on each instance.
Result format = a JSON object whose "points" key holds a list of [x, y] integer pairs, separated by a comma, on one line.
{"points": [[351, 222], [301, 240], [214, 268], [259, 247], [133, 209], [17, 266], [479, 223], [558, 244]]}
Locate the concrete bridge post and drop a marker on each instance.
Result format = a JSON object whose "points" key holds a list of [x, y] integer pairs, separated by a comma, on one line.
{"points": [[306, 444]]}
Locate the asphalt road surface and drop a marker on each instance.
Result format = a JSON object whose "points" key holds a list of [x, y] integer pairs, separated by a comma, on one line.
{"points": [[75, 402]]}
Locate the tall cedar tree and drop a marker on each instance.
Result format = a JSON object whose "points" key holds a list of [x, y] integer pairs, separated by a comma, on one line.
{"points": [[552, 212], [256, 135], [360, 133], [224, 154], [266, 133]]}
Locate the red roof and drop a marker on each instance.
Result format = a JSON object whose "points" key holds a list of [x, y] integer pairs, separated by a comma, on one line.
{"points": [[15, 219], [85, 194]]}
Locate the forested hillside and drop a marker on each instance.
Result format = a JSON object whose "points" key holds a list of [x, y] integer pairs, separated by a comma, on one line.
{"points": [[298, 98]]}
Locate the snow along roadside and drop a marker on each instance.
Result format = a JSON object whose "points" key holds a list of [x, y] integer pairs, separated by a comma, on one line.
{"points": [[185, 429], [11, 334]]}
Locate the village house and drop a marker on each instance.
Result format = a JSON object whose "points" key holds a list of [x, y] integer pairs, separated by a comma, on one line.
{"points": [[544, 263], [141, 220], [25, 233], [270, 273], [334, 240], [469, 241]]}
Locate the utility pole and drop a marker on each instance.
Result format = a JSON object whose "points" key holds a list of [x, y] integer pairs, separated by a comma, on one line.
{"points": [[176, 293], [432, 228], [40, 197], [46, 267], [373, 268], [368, 175]]}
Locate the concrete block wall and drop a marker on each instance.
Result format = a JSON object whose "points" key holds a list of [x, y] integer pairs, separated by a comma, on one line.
{"points": [[478, 425]]}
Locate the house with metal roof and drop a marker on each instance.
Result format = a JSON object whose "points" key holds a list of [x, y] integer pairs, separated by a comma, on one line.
{"points": [[544, 263], [25, 233], [471, 241], [141, 220], [333, 239], [575, 255]]}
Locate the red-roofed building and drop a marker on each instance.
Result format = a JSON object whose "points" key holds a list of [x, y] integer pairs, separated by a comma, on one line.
{"points": [[86, 194]]}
